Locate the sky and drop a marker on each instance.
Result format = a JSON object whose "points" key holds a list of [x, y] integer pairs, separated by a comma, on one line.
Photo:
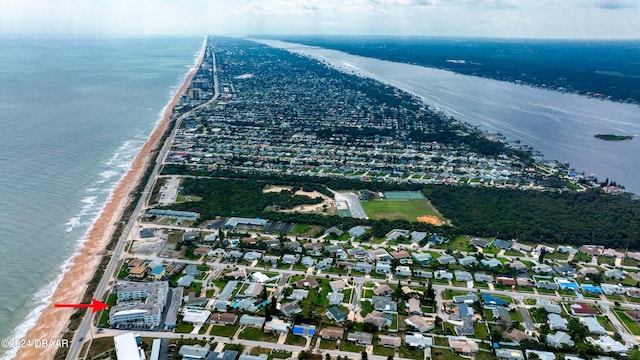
{"points": [[568, 19]]}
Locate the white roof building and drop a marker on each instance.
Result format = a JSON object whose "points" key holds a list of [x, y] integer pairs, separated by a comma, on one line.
{"points": [[127, 347]]}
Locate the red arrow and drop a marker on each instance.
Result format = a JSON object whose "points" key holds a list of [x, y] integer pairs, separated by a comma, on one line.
{"points": [[95, 304]]}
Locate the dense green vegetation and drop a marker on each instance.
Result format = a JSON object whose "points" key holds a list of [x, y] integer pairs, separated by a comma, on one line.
{"points": [[567, 217], [550, 217], [613, 137]]}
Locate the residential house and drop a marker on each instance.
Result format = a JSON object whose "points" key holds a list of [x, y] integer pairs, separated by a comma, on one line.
{"points": [[557, 322], [516, 246], [358, 252], [380, 255], [518, 265], [334, 231], [421, 258], [360, 338], [478, 242], [308, 261], [325, 264], [399, 255], [463, 346], [307, 283], [614, 274], [465, 329], [335, 298], [549, 306], [501, 244], [501, 315], [382, 290], [610, 289], [337, 285], [542, 355], [276, 326], [383, 267], [592, 250], [423, 274], [251, 256], [468, 261], [289, 259], [542, 269], [559, 339], [413, 306], [567, 250], [384, 303], [490, 299], [403, 271], [509, 354], [389, 341], [547, 285], [436, 239], [290, 308], [418, 341], [223, 318], [515, 335], [418, 236], [298, 294], [304, 330], [469, 298], [582, 309], [254, 321], [462, 275], [419, 323], [332, 333], [357, 231], [506, 281], [363, 266], [491, 263], [443, 275], [233, 255], [378, 319], [446, 259], [593, 325], [608, 344], [335, 314]]}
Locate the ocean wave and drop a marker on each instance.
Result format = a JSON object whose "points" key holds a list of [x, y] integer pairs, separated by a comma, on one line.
{"points": [[43, 299]]}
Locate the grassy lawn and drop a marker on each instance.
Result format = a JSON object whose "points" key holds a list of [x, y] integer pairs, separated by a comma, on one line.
{"points": [[628, 322], [580, 257], [606, 260], [381, 350], [409, 353], [304, 230], [184, 328], [280, 354], [226, 331], [516, 315], [604, 321], [556, 255], [295, 340], [449, 294], [484, 355], [460, 243], [399, 209], [257, 335], [349, 346], [491, 250], [327, 344], [366, 307], [481, 331], [204, 328], [630, 262]]}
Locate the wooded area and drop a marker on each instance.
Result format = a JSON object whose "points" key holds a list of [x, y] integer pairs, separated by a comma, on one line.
{"points": [[553, 217]]}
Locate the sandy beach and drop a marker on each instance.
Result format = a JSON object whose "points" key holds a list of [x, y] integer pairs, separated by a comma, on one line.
{"points": [[53, 322]]}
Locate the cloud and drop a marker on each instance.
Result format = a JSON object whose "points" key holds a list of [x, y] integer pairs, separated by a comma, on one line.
{"points": [[404, 2], [616, 4]]}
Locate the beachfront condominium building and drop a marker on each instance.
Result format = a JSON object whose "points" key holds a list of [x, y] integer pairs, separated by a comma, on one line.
{"points": [[139, 303]]}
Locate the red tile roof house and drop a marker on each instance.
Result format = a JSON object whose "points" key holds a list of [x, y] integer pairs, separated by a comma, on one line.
{"points": [[581, 309]]}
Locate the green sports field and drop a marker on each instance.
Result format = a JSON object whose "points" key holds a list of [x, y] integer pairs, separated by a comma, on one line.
{"points": [[408, 210]]}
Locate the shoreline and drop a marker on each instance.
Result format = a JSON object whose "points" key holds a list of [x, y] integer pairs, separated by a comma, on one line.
{"points": [[53, 322]]}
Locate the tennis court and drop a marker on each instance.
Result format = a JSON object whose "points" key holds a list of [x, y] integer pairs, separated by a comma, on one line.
{"points": [[404, 195]]}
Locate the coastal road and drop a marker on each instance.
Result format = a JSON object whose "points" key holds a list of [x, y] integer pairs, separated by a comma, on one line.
{"points": [[85, 327]]}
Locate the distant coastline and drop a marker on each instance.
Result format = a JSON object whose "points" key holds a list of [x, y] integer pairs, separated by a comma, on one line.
{"points": [[613, 137]]}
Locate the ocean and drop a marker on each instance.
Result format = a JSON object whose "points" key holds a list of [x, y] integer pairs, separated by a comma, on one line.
{"points": [[73, 113], [559, 125]]}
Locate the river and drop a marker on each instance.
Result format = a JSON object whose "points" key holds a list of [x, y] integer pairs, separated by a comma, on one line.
{"points": [[560, 125]]}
